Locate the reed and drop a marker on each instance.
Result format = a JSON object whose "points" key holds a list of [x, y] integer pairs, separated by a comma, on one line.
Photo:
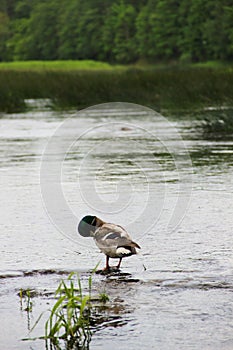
{"points": [[217, 123], [71, 317], [172, 89], [25, 300]]}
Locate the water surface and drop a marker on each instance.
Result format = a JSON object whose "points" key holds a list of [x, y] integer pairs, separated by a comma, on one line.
{"points": [[130, 167]]}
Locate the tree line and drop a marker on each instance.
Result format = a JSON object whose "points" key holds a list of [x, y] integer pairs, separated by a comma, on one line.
{"points": [[120, 31]]}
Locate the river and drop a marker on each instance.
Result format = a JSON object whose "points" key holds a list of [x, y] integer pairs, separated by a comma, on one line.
{"points": [[159, 178]]}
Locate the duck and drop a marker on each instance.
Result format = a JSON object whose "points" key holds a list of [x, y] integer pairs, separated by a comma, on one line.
{"points": [[112, 240]]}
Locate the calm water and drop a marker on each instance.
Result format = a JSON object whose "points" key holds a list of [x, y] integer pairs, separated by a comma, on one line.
{"points": [[169, 187]]}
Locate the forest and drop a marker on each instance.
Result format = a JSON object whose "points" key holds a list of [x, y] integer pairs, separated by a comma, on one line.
{"points": [[117, 31]]}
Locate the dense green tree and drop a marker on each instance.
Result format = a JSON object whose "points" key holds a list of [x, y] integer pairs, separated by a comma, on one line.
{"points": [[4, 36], [67, 31], [89, 30], [80, 31], [143, 33], [3, 6], [159, 30], [145, 27], [8, 7], [167, 29], [118, 31], [43, 31], [228, 30], [194, 43], [23, 8], [213, 35], [20, 43]]}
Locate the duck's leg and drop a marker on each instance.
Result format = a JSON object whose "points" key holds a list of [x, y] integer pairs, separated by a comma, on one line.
{"points": [[119, 264], [107, 263]]}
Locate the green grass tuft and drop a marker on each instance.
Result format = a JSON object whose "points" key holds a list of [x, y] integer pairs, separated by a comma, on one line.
{"points": [[73, 314], [69, 318]]}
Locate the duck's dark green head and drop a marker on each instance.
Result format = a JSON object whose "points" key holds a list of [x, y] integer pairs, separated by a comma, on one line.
{"points": [[87, 225]]}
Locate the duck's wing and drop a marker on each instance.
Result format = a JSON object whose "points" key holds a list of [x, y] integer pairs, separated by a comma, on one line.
{"points": [[114, 235]]}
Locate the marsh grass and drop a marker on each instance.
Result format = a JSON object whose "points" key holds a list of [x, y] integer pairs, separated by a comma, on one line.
{"points": [[73, 316], [69, 318], [217, 123], [172, 89], [25, 300]]}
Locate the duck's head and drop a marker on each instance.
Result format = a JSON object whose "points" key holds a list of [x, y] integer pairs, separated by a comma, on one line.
{"points": [[88, 225]]}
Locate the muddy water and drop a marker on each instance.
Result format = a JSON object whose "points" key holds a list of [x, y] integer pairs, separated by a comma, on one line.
{"points": [[161, 180]]}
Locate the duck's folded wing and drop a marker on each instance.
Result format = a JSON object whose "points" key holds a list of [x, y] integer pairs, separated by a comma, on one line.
{"points": [[114, 235], [110, 230], [124, 242]]}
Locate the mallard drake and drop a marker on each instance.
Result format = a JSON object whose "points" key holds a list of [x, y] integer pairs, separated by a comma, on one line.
{"points": [[113, 240]]}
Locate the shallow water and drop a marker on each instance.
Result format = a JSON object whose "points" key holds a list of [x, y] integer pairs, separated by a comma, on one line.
{"points": [[161, 180]]}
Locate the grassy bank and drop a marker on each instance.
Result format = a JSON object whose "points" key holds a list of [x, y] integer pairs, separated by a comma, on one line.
{"points": [[56, 65], [160, 88]]}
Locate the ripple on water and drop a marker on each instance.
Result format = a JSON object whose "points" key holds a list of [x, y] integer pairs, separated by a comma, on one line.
{"points": [[186, 302]]}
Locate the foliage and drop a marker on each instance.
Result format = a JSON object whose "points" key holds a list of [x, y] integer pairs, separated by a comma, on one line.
{"points": [[174, 89], [217, 123], [74, 316], [121, 31], [25, 300], [69, 318], [4, 35]]}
